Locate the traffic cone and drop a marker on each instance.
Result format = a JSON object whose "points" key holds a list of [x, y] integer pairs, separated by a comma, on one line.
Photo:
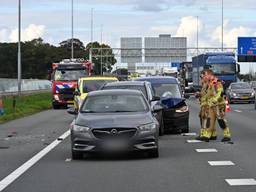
{"points": [[1, 107], [227, 106]]}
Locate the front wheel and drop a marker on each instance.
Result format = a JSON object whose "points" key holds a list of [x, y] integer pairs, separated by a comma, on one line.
{"points": [[55, 106], [153, 153], [76, 155]]}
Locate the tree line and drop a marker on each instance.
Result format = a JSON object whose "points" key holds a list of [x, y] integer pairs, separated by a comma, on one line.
{"points": [[37, 57]]}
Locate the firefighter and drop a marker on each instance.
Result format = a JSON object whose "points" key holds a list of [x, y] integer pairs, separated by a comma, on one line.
{"points": [[203, 104]]}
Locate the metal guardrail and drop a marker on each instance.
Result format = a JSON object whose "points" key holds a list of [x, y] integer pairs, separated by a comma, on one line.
{"points": [[28, 92]]}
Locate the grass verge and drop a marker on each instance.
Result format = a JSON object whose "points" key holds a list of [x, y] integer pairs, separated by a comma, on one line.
{"points": [[25, 105]]}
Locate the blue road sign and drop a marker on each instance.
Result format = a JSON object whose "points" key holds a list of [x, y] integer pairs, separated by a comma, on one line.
{"points": [[246, 46]]}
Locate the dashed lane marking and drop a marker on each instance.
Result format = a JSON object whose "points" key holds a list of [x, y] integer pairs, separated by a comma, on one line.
{"points": [[220, 163], [23, 168], [238, 111], [188, 134], [194, 141], [240, 182], [68, 160], [206, 150]]}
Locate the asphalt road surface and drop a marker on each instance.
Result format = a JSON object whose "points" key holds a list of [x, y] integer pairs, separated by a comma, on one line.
{"points": [[180, 168]]}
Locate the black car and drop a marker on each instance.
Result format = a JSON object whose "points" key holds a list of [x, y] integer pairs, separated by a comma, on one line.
{"points": [[114, 121], [175, 109], [240, 92], [146, 88]]}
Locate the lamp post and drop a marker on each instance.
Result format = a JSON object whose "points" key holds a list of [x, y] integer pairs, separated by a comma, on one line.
{"points": [[222, 25], [19, 47], [72, 29]]}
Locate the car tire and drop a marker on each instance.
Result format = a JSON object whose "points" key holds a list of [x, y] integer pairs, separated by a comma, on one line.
{"points": [[153, 153], [161, 128], [55, 106], [76, 155]]}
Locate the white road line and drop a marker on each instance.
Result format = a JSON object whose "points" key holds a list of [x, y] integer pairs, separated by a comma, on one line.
{"points": [[23, 168], [220, 163], [206, 150], [238, 111], [194, 141], [188, 134], [240, 182]]}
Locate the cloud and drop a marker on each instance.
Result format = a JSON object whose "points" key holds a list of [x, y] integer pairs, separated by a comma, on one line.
{"points": [[230, 34], [188, 28], [3, 35], [31, 32]]}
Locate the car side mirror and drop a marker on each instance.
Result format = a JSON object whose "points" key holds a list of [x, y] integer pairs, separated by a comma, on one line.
{"points": [[77, 93], [72, 111], [156, 98], [186, 96], [157, 108]]}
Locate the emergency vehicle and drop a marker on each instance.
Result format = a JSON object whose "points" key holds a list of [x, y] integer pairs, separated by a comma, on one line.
{"points": [[64, 76]]}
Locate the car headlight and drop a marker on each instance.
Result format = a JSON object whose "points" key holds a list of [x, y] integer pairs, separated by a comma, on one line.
{"points": [[147, 128], [78, 128], [56, 97], [182, 109], [234, 94], [253, 93]]}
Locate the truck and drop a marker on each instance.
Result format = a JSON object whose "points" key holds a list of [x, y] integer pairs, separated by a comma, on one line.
{"points": [[64, 77], [172, 71], [223, 65], [186, 73]]}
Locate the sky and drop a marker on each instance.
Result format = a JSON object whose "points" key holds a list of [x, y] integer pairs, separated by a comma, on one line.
{"points": [[51, 20]]}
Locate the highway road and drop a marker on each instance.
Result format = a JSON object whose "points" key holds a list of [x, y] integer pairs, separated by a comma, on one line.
{"points": [[180, 167]]}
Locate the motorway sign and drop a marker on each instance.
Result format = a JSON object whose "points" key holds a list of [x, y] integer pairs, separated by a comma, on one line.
{"points": [[246, 49]]}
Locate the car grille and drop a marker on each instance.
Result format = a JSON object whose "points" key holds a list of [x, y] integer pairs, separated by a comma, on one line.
{"points": [[111, 133], [67, 91], [244, 94], [66, 96]]}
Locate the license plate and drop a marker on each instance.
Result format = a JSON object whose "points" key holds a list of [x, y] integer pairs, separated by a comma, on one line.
{"points": [[244, 97], [115, 145]]}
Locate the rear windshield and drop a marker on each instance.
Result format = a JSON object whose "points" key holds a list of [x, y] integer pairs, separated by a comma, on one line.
{"points": [[133, 87], [167, 90], [94, 85]]}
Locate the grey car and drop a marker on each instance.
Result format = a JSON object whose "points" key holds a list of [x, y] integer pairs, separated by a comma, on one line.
{"points": [[240, 92], [111, 121], [146, 88]]}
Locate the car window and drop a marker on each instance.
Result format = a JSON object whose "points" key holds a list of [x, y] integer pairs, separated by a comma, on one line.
{"points": [[114, 103], [167, 90], [94, 85], [133, 87]]}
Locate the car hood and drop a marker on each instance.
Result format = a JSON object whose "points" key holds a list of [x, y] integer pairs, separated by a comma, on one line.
{"points": [[242, 90], [107, 120], [169, 103]]}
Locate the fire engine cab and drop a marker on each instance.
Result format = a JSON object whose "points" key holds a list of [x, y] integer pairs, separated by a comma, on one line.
{"points": [[64, 76]]}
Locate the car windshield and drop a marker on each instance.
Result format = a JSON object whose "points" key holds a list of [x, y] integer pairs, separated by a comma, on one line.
{"points": [[240, 86], [114, 104], [133, 87], [69, 75], [94, 85], [223, 68], [167, 90]]}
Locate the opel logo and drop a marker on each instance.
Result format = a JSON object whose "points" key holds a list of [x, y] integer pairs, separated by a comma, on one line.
{"points": [[114, 131]]}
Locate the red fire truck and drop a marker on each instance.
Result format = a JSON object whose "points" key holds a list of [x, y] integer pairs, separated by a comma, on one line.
{"points": [[64, 76]]}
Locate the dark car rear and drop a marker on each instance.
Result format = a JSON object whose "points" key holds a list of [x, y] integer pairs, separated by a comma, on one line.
{"points": [[175, 112]]}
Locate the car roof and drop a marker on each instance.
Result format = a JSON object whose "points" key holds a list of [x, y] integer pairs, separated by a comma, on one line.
{"points": [[159, 79], [90, 78], [115, 92], [120, 83]]}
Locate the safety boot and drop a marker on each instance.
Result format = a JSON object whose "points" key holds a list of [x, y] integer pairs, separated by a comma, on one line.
{"points": [[213, 135], [206, 136], [227, 135], [200, 135]]}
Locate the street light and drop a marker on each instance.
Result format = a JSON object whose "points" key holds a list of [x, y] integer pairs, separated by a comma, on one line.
{"points": [[72, 29], [19, 47], [222, 25]]}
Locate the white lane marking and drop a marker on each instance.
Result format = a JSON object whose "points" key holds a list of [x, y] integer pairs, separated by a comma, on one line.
{"points": [[206, 150], [220, 163], [188, 134], [68, 160], [238, 111], [194, 141], [240, 182], [23, 168]]}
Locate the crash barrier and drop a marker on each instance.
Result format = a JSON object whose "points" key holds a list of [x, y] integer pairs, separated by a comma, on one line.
{"points": [[1, 107]]}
